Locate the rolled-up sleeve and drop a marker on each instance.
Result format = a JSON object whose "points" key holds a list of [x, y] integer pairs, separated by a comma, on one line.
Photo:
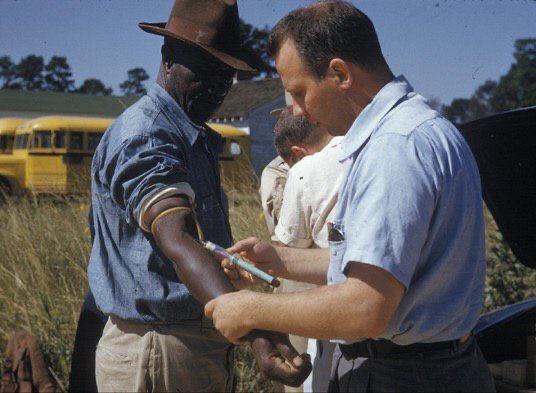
{"points": [[145, 165], [392, 203]]}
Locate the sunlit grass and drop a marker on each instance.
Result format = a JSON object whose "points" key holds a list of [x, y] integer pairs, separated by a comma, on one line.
{"points": [[44, 249]]}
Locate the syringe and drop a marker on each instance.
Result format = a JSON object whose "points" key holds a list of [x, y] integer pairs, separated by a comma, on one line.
{"points": [[222, 252]]}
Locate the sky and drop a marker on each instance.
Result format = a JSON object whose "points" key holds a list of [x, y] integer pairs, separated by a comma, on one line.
{"points": [[446, 48]]}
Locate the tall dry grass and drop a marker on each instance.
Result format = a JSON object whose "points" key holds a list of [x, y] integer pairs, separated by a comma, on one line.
{"points": [[44, 248]]}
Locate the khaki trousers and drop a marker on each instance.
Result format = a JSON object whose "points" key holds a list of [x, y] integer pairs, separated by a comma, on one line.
{"points": [[190, 356]]}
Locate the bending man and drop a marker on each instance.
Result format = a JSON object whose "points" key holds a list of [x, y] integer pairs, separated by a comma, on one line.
{"points": [[406, 263]]}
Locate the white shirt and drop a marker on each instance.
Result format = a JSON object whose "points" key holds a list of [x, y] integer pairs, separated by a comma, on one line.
{"points": [[310, 195], [273, 179]]}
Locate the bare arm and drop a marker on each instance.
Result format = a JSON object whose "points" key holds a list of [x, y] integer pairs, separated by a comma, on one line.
{"points": [[361, 307], [200, 272], [307, 265], [194, 265]]}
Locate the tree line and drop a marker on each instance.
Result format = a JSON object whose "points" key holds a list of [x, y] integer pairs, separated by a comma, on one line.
{"points": [[32, 74], [515, 89]]}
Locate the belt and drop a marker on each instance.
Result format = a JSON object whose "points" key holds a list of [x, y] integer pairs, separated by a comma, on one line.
{"points": [[371, 348]]}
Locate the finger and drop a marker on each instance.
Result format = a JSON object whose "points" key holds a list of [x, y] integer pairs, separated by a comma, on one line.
{"points": [[209, 308], [231, 274], [226, 263], [285, 348], [271, 364], [243, 245], [246, 276]]}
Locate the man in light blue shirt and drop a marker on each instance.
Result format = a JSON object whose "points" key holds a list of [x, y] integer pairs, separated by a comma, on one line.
{"points": [[406, 264], [411, 204]]}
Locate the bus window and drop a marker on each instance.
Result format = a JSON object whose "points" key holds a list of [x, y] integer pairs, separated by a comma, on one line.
{"points": [[60, 141], [21, 141], [3, 142], [42, 139], [46, 139], [93, 141], [10, 142], [77, 140]]}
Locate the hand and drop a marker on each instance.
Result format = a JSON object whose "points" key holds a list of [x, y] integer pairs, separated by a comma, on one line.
{"points": [[230, 313], [277, 358], [260, 253]]}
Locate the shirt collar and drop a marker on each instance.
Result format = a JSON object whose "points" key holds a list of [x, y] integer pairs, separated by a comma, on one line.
{"points": [[176, 114], [335, 141], [367, 121]]}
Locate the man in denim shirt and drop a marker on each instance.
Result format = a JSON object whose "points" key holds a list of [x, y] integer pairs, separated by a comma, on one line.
{"points": [[155, 189], [406, 262]]}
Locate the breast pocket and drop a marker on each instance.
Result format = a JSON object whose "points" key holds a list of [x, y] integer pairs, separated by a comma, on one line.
{"points": [[337, 248]]}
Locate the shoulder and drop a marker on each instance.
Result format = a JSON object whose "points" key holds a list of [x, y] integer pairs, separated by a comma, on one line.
{"points": [[324, 164], [138, 120], [275, 168], [144, 123], [406, 117], [412, 128]]}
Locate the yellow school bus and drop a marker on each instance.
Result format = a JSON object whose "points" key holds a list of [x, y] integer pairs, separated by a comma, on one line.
{"points": [[235, 158], [8, 125], [52, 155]]}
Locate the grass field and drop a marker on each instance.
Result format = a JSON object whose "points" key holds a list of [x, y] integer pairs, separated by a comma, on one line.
{"points": [[44, 248]]}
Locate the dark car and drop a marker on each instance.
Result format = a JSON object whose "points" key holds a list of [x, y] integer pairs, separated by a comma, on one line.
{"points": [[504, 146]]}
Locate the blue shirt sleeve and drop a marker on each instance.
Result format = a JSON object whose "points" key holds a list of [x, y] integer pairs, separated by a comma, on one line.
{"points": [[144, 164], [392, 204]]}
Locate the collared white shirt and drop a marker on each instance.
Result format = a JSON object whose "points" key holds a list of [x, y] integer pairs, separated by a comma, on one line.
{"points": [[310, 197]]}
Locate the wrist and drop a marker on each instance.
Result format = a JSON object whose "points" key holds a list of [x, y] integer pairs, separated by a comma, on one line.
{"points": [[279, 265], [249, 306]]}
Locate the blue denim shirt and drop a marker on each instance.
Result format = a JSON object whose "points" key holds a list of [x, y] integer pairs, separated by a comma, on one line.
{"points": [[152, 145], [411, 204]]}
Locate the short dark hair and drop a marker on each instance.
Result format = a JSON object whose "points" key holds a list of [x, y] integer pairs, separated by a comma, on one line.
{"points": [[293, 130], [327, 30]]}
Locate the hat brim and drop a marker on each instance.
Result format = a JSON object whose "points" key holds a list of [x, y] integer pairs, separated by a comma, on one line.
{"points": [[159, 29]]}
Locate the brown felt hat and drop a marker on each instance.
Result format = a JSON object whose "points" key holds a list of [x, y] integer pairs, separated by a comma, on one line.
{"points": [[212, 25]]}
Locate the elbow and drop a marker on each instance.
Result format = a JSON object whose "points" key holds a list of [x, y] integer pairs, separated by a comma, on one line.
{"points": [[370, 319], [370, 326], [377, 327]]}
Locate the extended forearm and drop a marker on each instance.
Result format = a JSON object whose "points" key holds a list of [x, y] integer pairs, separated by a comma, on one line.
{"points": [[307, 265], [322, 313], [196, 267], [360, 307]]}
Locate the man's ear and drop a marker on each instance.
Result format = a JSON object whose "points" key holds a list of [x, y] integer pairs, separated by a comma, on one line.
{"points": [[166, 57], [298, 152], [339, 72]]}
